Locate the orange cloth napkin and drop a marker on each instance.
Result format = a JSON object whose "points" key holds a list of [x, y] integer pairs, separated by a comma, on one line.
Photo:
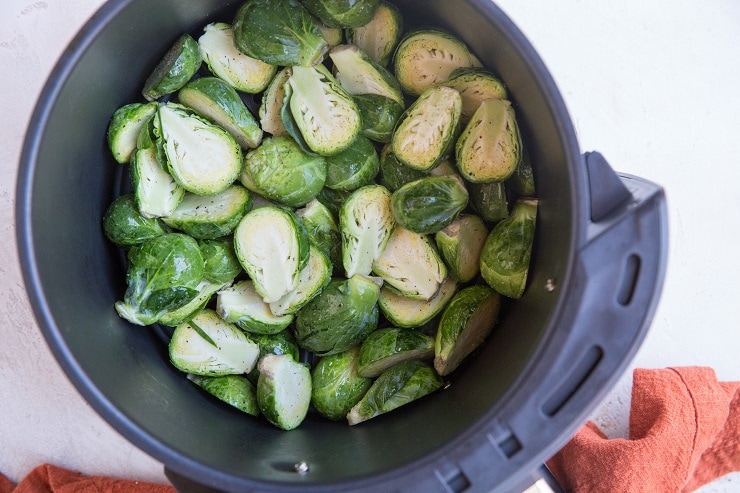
{"points": [[48, 478], [684, 433]]}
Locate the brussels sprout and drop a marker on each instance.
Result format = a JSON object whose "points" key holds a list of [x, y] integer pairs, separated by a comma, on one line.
{"points": [[337, 385], [206, 289], [323, 231], [342, 13], [342, 315], [358, 74], [314, 276], [379, 37], [163, 275], [406, 312], [521, 182], [427, 131], [175, 69], [475, 85], [221, 264], [489, 200], [465, 324], [214, 99], [125, 226], [333, 35], [283, 390], [333, 199], [272, 247], [429, 204], [489, 149], [427, 57], [325, 115], [460, 244], [504, 261], [156, 192], [209, 346], [281, 171], [210, 216], [396, 386], [203, 158], [278, 32], [379, 116], [366, 222], [282, 342], [391, 345], [234, 390], [271, 120], [446, 168], [354, 167], [393, 173], [241, 305], [410, 265], [124, 128], [240, 71]]}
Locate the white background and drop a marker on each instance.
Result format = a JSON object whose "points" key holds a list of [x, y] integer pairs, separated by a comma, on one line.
{"points": [[652, 85]]}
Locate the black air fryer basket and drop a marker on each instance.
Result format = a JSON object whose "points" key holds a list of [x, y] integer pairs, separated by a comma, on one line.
{"points": [[595, 279]]}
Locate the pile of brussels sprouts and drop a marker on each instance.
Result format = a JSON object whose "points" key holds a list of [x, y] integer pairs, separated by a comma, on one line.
{"points": [[327, 210]]}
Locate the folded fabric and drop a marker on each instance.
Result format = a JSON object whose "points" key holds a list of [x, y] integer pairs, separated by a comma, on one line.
{"points": [[48, 478], [684, 432]]}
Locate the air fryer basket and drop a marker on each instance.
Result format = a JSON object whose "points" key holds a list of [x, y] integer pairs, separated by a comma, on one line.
{"points": [[594, 283]]}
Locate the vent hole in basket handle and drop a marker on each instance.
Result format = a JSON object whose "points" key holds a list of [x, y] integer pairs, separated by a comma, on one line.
{"points": [[628, 281], [569, 386]]}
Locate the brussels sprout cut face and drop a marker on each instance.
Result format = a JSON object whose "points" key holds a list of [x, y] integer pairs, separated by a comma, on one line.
{"points": [[283, 390], [379, 37], [357, 74]]}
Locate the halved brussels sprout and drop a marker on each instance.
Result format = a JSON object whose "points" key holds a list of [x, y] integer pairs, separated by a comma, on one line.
{"points": [[504, 261], [354, 167], [427, 131], [221, 264], [273, 247], [398, 385], [241, 305], [465, 324], [410, 265], [342, 315], [282, 342], [521, 182], [393, 173], [342, 12], [234, 390], [379, 37], [210, 216], [406, 312], [214, 99], [323, 231], [489, 200], [475, 85], [125, 226], [489, 148], [429, 204], [391, 345], [314, 277], [379, 116], [271, 105], [366, 222], [336, 384], [427, 57], [156, 192], [203, 158], [174, 70], [325, 115], [240, 71], [283, 390], [460, 244], [124, 128], [209, 346], [281, 171], [278, 32], [358, 74]]}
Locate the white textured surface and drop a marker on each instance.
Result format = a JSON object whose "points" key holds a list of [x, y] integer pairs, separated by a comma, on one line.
{"points": [[652, 85]]}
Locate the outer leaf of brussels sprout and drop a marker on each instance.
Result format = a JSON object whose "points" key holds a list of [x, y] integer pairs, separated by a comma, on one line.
{"points": [[354, 167], [163, 275], [336, 384], [489, 200], [241, 305], [391, 345], [206, 289], [281, 171], [271, 105], [475, 85], [393, 173], [521, 182], [465, 324], [221, 264], [323, 231], [396, 386], [489, 149], [406, 312], [427, 131], [342, 315], [358, 74], [366, 222], [314, 276], [124, 128], [504, 261], [125, 226], [429, 204], [342, 13], [460, 244], [209, 346], [283, 390], [278, 32], [210, 216], [281, 342], [234, 390], [379, 116], [333, 199], [240, 71], [175, 69], [379, 37], [156, 192]]}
